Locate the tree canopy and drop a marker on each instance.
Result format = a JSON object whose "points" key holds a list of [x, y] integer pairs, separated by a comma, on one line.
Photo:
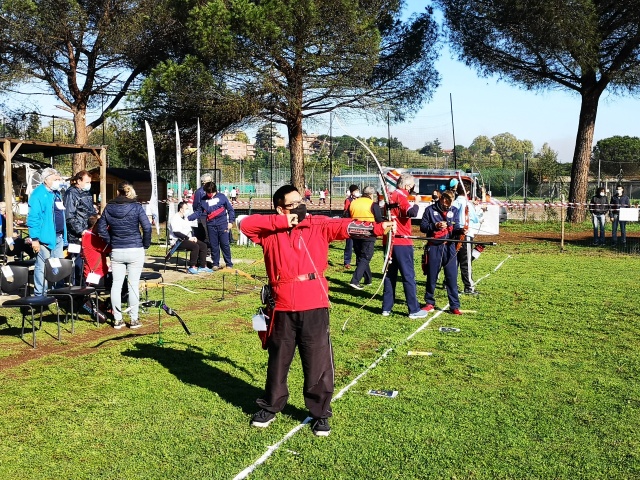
{"points": [[585, 46], [617, 155], [301, 58], [84, 51]]}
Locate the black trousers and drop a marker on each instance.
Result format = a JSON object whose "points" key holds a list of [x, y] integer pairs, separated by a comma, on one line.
{"points": [[464, 260], [197, 252], [309, 331], [364, 253]]}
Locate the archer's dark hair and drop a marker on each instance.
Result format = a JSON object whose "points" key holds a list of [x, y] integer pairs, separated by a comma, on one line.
{"points": [[210, 187], [180, 205], [353, 188], [278, 196]]}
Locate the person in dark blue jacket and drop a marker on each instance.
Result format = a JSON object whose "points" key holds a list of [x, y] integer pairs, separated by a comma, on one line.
{"points": [[438, 221], [120, 226], [78, 204], [220, 217]]}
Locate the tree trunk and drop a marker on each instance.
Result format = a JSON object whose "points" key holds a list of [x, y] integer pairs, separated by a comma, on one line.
{"points": [[582, 155], [294, 127], [81, 138]]}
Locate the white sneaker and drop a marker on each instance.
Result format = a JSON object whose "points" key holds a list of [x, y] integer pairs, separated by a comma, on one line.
{"points": [[385, 313], [356, 286], [418, 314]]}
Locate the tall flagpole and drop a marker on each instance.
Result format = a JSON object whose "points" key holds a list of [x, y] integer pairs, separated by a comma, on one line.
{"points": [[198, 156], [178, 161], [153, 201]]}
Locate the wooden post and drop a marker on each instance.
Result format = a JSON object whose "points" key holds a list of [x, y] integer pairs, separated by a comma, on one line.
{"points": [[103, 178], [562, 228], [8, 186]]}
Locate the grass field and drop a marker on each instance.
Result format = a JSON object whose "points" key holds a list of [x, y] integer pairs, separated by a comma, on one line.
{"points": [[542, 381]]}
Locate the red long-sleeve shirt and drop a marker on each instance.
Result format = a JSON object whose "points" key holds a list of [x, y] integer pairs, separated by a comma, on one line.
{"points": [[292, 253]]}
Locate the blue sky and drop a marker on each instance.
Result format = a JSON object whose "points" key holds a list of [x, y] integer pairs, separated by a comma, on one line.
{"points": [[484, 106]]}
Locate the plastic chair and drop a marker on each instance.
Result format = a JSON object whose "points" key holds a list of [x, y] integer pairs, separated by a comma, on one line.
{"points": [[15, 295], [63, 274]]}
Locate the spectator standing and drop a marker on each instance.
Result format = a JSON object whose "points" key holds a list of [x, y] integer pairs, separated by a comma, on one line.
{"points": [[323, 196], [618, 201], [364, 209], [354, 192], [402, 258], [234, 195], [180, 229], [78, 204], [465, 208], [599, 207], [120, 226], [219, 213], [296, 247], [438, 221], [46, 223], [198, 213]]}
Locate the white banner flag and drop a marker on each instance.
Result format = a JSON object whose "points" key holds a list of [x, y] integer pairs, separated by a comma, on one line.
{"points": [[178, 161], [153, 201], [198, 156]]}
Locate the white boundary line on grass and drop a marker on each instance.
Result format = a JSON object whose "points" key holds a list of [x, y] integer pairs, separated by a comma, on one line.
{"points": [[247, 471]]}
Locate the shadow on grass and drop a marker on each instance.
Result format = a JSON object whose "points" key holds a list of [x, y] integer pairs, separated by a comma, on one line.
{"points": [[192, 366]]}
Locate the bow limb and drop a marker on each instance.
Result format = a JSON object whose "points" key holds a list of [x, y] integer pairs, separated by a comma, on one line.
{"points": [[390, 233], [385, 194]]}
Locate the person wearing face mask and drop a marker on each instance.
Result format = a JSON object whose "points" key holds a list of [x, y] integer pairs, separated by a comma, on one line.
{"points": [[402, 259], [46, 223], [354, 192], [296, 250], [364, 209], [219, 213], [438, 221], [78, 204], [599, 207], [180, 229], [618, 201]]}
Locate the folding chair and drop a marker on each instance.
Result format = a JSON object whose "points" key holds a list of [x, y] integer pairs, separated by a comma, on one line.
{"points": [[175, 249], [56, 275], [12, 285]]}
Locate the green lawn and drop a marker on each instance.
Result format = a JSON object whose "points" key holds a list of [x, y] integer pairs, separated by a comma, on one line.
{"points": [[542, 381]]}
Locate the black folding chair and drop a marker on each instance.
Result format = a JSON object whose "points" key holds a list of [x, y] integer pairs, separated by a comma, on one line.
{"points": [[175, 249], [62, 275], [15, 294]]}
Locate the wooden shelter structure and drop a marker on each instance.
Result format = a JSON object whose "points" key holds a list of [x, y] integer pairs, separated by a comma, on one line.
{"points": [[13, 146]]}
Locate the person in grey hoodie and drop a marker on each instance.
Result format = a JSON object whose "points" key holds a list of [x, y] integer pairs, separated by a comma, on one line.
{"points": [[120, 226]]}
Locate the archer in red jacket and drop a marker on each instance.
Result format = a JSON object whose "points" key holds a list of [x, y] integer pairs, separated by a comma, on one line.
{"points": [[296, 248]]}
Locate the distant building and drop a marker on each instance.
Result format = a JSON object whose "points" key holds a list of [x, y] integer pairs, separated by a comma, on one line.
{"points": [[312, 144], [235, 149]]}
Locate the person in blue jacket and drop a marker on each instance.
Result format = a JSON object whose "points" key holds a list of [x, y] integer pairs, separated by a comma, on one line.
{"points": [[46, 223], [120, 226], [220, 217], [438, 221]]}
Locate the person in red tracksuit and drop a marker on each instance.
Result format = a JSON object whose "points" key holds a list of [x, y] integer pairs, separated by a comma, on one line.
{"points": [[296, 249], [402, 254]]}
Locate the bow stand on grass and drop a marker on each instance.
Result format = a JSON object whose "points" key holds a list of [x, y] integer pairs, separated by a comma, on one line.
{"points": [[387, 214]]}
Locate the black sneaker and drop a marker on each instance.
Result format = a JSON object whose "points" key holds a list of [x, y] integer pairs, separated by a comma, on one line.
{"points": [[262, 418], [470, 291], [320, 427]]}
